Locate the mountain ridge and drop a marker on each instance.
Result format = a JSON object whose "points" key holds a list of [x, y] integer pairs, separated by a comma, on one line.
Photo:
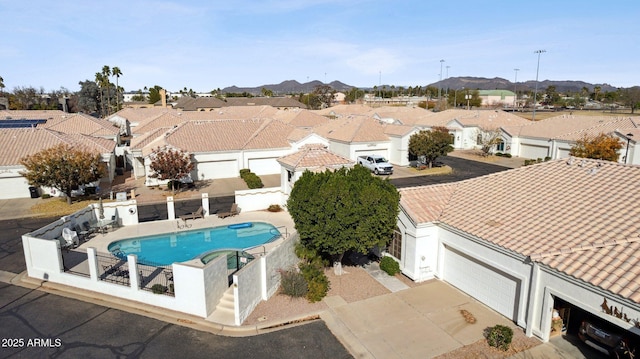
{"points": [[452, 83]]}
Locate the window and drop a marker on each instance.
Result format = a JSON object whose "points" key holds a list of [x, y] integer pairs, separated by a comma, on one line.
{"points": [[289, 175], [479, 139], [500, 145], [395, 247]]}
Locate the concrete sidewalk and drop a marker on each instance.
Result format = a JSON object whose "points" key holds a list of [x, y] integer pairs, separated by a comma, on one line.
{"points": [[419, 322]]}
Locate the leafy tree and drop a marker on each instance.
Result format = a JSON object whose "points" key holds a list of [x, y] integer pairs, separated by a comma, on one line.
{"points": [[487, 138], [353, 94], [345, 210], [89, 97], [139, 96], [170, 164], [63, 167], [266, 92], [631, 97], [600, 147], [431, 144], [154, 94], [323, 94], [552, 96]]}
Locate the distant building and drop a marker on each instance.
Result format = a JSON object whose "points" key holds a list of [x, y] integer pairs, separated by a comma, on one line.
{"points": [[497, 98]]}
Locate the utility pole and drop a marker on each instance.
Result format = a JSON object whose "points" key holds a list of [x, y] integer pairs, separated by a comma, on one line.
{"points": [[535, 93], [515, 90]]}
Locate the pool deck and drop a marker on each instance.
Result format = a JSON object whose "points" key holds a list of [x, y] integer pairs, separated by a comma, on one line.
{"points": [[101, 241]]}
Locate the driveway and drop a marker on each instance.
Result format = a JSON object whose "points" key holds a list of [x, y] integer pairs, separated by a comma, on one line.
{"points": [[420, 322]]}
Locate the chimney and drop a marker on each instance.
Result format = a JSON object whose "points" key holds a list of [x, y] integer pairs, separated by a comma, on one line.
{"points": [[163, 97]]}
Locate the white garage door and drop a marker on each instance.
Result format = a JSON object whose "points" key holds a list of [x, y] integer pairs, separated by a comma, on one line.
{"points": [[264, 166], [486, 284], [383, 153], [14, 187], [531, 151], [563, 152], [217, 169]]}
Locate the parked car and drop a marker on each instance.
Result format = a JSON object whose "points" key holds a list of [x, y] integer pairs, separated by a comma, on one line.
{"points": [[606, 339], [376, 164]]}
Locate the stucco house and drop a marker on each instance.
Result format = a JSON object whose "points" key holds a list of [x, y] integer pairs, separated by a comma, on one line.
{"points": [[310, 157], [560, 235], [554, 137], [497, 98], [16, 143]]}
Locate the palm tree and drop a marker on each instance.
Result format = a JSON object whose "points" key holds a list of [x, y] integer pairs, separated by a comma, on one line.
{"points": [[1, 85], [100, 82], [115, 71], [106, 72], [596, 91]]}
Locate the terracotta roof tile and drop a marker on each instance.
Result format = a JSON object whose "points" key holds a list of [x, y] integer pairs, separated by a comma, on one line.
{"points": [[560, 213], [315, 156], [18, 143]]}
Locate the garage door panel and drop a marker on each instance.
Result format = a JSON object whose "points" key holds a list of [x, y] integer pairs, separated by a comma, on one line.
{"points": [[533, 151], [488, 285], [217, 169], [14, 187], [264, 166]]}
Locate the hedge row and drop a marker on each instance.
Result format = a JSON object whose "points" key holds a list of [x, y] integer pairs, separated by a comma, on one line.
{"points": [[251, 179]]}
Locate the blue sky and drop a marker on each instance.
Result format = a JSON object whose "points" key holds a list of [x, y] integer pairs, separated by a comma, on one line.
{"points": [[204, 45]]}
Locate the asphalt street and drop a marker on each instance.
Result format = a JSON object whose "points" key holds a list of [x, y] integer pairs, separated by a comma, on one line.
{"points": [[37, 324]]}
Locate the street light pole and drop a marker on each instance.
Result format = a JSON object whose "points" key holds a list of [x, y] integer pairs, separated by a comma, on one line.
{"points": [[515, 90], [626, 155], [440, 85], [535, 93]]}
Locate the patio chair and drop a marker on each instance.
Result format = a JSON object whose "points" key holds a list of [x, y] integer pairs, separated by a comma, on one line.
{"points": [[70, 237], [193, 215], [232, 212]]}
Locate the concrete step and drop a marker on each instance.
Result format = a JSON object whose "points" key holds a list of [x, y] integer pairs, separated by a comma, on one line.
{"points": [[225, 309]]}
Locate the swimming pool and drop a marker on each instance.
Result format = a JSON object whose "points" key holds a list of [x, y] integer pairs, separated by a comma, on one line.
{"points": [[168, 248]]}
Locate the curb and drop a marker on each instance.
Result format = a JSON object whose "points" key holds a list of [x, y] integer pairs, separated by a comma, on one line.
{"points": [[162, 314]]}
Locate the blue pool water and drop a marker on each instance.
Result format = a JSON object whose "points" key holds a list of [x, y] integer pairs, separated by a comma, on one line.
{"points": [[168, 248]]}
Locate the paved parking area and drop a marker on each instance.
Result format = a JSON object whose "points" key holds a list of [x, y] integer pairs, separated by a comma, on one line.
{"points": [[420, 322]]}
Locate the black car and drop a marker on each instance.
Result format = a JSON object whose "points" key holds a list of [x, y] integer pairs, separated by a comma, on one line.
{"points": [[606, 339]]}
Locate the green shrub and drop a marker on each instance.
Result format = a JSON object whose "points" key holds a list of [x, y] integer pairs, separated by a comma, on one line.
{"points": [[317, 281], [499, 154], [389, 265], [500, 336], [508, 155], [274, 208], [45, 196], [546, 159], [251, 179], [293, 283], [158, 289]]}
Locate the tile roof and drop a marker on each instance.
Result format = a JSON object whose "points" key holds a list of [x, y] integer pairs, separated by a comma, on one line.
{"points": [[165, 120], [84, 124], [18, 143], [277, 102], [194, 104], [141, 115], [211, 136], [301, 118], [566, 126], [562, 213], [315, 157], [273, 134], [231, 113], [31, 114], [353, 129]]}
